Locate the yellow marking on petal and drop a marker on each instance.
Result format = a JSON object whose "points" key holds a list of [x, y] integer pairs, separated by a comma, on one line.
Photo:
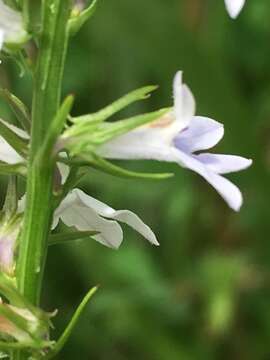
{"points": [[163, 122]]}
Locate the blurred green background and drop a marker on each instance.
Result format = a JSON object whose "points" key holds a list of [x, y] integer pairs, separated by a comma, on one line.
{"points": [[204, 293]]}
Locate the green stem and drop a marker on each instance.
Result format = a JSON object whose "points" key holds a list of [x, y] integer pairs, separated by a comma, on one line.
{"points": [[46, 100]]}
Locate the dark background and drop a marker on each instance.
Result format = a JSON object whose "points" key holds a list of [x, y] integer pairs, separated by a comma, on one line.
{"points": [[204, 293]]}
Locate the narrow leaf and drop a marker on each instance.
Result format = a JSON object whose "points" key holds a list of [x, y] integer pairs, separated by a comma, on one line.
{"points": [[68, 331], [63, 238]]}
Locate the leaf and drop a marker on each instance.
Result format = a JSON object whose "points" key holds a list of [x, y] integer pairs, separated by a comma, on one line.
{"points": [[112, 169], [77, 21], [19, 109], [62, 238], [116, 106], [68, 331]]}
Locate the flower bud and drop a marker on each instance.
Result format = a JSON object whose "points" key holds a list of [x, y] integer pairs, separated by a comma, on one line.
{"points": [[12, 30], [9, 230]]}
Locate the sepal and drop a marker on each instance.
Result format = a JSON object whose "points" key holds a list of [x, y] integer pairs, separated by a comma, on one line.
{"points": [[22, 324], [18, 108], [63, 238], [78, 138], [106, 166], [13, 169], [118, 105], [79, 18], [15, 137]]}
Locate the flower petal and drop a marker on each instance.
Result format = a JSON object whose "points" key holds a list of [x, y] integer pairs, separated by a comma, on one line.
{"points": [[230, 193], [86, 213], [74, 213], [2, 34], [184, 102], [202, 133], [23, 134], [64, 171], [125, 216], [224, 164], [234, 7], [143, 143], [8, 154]]}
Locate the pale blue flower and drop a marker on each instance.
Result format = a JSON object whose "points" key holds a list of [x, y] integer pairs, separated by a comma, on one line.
{"points": [[177, 137]]}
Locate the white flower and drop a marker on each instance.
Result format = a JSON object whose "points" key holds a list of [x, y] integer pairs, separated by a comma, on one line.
{"points": [[177, 137], [234, 7], [88, 214], [11, 25]]}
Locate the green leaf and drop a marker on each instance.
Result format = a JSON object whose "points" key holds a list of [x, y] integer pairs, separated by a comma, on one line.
{"points": [[78, 20], [61, 238], [68, 331], [112, 169], [118, 105], [19, 109]]}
